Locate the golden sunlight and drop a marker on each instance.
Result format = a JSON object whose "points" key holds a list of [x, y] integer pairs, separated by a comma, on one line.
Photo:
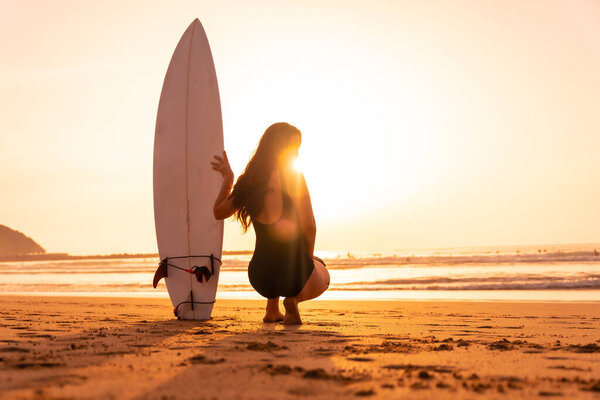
{"points": [[298, 164]]}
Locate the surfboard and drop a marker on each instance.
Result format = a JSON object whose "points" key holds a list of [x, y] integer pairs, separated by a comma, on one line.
{"points": [[189, 131]]}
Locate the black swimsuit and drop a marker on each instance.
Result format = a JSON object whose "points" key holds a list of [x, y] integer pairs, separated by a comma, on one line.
{"points": [[281, 263]]}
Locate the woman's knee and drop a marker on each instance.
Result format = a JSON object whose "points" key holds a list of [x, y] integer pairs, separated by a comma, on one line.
{"points": [[323, 275], [317, 283], [327, 278]]}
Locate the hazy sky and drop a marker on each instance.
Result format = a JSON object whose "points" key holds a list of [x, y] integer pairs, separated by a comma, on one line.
{"points": [[424, 123]]}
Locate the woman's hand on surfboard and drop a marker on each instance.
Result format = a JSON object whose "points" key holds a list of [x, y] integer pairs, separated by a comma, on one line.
{"points": [[222, 165]]}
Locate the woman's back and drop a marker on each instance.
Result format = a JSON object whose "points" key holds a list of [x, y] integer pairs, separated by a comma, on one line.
{"points": [[278, 210], [281, 263]]}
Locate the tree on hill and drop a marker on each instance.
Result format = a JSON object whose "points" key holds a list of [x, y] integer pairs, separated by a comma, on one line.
{"points": [[15, 243]]}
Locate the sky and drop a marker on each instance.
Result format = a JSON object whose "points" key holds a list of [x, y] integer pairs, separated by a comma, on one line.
{"points": [[425, 124]]}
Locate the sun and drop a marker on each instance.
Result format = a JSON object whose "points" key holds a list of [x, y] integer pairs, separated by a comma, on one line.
{"points": [[298, 164]]}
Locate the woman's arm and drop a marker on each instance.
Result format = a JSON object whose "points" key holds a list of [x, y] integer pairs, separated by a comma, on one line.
{"points": [[310, 233], [223, 207], [298, 191]]}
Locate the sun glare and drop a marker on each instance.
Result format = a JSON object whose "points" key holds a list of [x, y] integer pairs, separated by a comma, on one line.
{"points": [[298, 164]]}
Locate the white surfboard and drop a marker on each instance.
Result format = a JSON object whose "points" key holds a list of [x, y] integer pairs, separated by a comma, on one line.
{"points": [[189, 131]]}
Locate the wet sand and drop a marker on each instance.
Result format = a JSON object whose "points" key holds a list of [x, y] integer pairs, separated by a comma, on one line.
{"points": [[124, 348]]}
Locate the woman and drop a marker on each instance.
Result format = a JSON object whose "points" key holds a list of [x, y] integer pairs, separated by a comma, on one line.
{"points": [[274, 198]]}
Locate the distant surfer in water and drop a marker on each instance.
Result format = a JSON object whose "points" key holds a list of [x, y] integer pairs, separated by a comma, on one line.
{"points": [[272, 196]]}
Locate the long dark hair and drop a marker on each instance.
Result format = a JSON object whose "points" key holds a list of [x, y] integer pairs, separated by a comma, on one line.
{"points": [[249, 190]]}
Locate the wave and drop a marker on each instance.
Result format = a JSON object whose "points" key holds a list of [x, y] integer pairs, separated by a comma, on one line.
{"points": [[557, 257], [556, 269], [520, 282], [348, 262]]}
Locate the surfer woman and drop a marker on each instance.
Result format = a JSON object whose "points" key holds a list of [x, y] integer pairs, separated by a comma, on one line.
{"points": [[272, 196]]}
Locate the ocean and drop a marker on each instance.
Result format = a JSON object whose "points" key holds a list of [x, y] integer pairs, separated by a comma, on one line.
{"points": [[516, 273]]}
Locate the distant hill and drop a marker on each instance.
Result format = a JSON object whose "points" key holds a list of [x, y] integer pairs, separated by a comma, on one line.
{"points": [[15, 243]]}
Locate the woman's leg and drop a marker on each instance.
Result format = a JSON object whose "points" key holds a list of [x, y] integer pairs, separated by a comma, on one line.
{"points": [[317, 283], [272, 313]]}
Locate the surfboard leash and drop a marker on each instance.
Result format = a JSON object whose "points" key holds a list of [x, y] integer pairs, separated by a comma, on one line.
{"points": [[200, 272], [191, 302]]}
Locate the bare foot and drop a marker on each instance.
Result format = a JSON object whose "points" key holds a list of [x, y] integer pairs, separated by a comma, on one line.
{"points": [[273, 317], [292, 315]]}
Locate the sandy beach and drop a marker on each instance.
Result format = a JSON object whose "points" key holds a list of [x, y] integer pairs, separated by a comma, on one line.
{"points": [[132, 348]]}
